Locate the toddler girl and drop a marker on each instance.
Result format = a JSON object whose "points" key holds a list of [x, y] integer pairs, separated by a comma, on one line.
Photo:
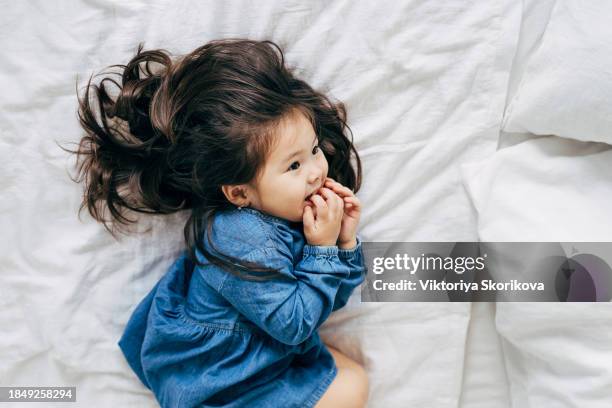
{"points": [[263, 164]]}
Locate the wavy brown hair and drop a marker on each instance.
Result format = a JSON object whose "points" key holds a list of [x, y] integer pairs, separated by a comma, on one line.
{"points": [[164, 135]]}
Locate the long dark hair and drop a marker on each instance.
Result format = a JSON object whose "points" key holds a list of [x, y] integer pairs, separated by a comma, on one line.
{"points": [[173, 132]]}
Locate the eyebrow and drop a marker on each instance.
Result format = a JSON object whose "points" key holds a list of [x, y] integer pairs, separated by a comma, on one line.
{"points": [[292, 155]]}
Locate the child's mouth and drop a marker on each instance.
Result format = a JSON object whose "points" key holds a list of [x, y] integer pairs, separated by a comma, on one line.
{"points": [[309, 196]]}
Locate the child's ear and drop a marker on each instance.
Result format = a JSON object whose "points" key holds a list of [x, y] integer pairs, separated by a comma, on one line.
{"points": [[236, 194]]}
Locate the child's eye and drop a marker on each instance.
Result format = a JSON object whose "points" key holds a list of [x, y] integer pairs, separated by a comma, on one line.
{"points": [[294, 166], [315, 149]]}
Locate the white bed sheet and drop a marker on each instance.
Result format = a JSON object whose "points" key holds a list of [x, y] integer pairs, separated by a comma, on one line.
{"points": [[425, 85]]}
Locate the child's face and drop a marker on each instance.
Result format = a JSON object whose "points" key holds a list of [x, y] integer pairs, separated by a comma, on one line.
{"points": [[294, 169]]}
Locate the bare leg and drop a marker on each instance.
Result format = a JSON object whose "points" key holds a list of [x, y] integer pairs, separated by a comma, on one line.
{"points": [[350, 387]]}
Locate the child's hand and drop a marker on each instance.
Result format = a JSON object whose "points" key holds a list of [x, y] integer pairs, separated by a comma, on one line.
{"points": [[352, 212], [322, 225]]}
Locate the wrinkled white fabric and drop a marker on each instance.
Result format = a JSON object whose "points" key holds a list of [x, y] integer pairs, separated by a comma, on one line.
{"points": [[424, 83]]}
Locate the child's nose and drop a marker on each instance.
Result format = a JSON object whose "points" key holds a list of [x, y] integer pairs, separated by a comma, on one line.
{"points": [[316, 176]]}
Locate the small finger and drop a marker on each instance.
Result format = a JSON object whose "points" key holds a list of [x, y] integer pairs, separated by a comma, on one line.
{"points": [[354, 203], [332, 199], [319, 202], [339, 204], [328, 194], [351, 199], [308, 218], [339, 188], [311, 205], [340, 201]]}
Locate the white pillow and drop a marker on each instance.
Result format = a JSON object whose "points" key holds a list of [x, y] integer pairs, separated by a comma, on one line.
{"points": [[566, 83], [534, 19], [543, 189], [549, 189]]}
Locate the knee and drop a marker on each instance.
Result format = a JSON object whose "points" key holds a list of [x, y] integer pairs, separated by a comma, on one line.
{"points": [[361, 384], [354, 379], [365, 386]]}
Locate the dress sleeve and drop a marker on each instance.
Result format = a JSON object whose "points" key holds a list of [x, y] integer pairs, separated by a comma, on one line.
{"points": [[353, 259], [290, 310]]}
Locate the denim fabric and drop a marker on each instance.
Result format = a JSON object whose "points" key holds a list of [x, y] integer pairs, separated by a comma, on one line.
{"points": [[204, 337]]}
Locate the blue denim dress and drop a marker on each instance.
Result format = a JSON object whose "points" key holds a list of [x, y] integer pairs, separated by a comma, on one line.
{"points": [[204, 337]]}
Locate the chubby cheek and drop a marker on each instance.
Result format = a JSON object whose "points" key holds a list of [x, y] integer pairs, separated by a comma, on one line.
{"points": [[325, 167]]}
